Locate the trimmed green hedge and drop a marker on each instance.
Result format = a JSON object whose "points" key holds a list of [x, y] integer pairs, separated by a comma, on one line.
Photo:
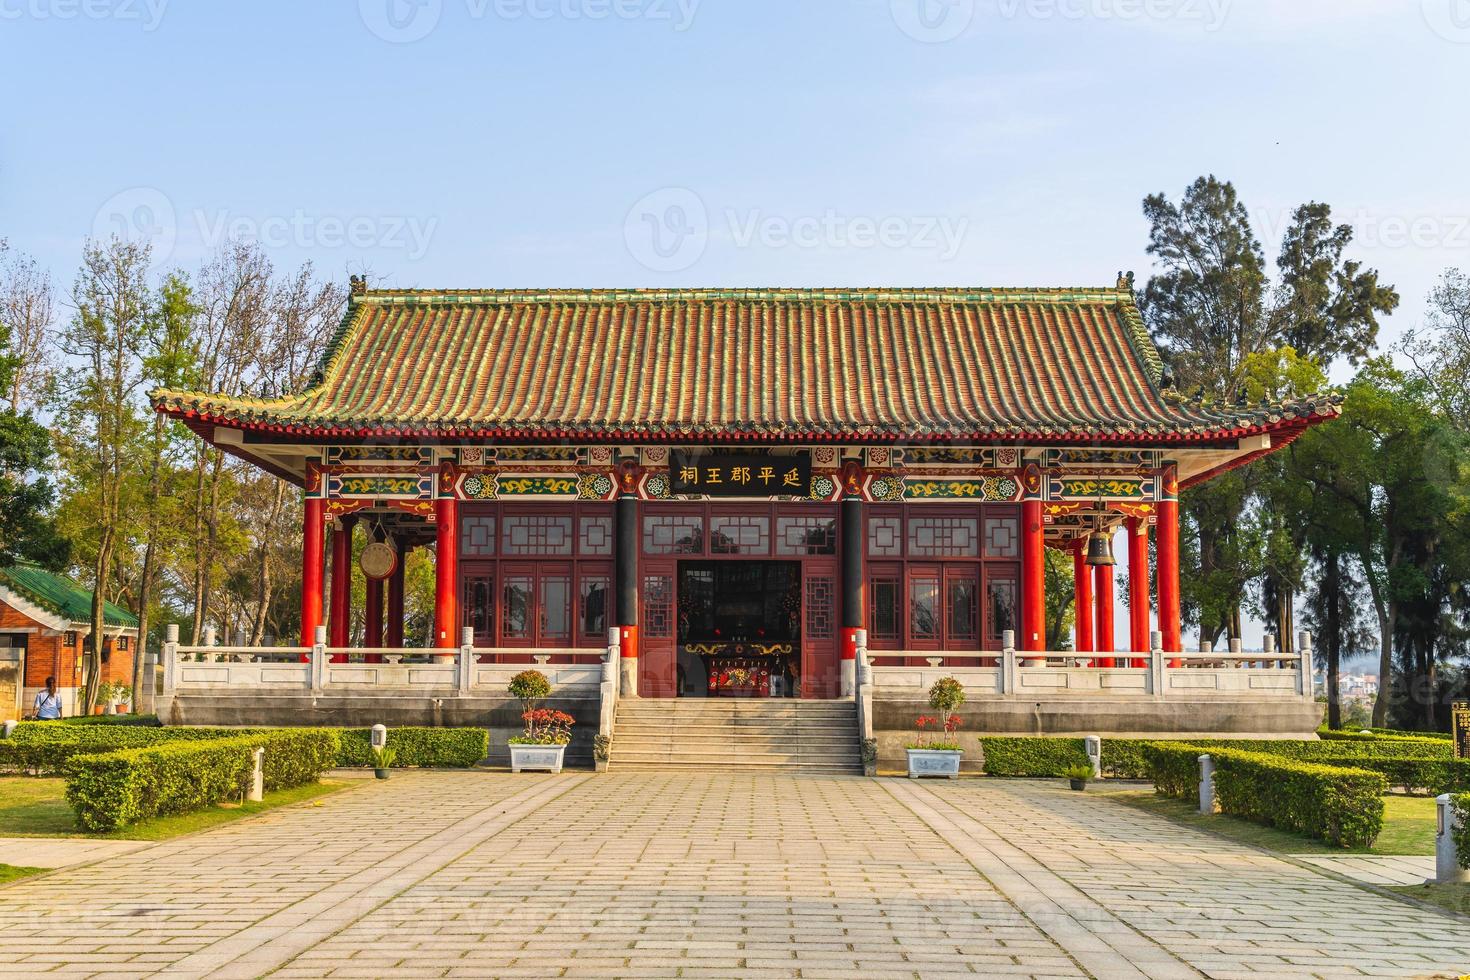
{"points": [[1030, 756], [1461, 805], [115, 789], [45, 748], [1122, 758], [1421, 777], [438, 748], [142, 721], [1391, 733], [1174, 768], [1342, 806]]}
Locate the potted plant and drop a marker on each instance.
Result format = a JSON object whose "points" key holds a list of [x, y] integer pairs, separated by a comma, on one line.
{"points": [[383, 761], [933, 754], [1078, 775], [543, 743]]}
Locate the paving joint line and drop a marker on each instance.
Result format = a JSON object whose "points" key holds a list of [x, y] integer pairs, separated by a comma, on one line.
{"points": [[283, 943], [1060, 925]]}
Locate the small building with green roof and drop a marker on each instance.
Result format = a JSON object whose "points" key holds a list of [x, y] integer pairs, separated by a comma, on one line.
{"points": [[45, 627]]}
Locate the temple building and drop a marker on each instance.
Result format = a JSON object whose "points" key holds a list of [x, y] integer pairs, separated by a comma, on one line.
{"points": [[750, 485]]}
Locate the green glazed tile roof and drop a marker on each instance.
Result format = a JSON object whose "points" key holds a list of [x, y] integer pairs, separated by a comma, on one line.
{"points": [[754, 364], [60, 595]]}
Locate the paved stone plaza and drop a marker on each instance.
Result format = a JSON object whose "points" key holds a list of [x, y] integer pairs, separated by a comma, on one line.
{"points": [[640, 875]]}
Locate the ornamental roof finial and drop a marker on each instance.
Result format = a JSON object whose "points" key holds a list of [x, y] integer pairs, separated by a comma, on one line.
{"points": [[358, 285]]}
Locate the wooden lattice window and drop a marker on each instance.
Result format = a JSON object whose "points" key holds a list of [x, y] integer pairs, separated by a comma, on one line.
{"points": [[944, 537], [658, 606], [1002, 537], [821, 607], [477, 536], [536, 535], [673, 534], [739, 534], [806, 536]]}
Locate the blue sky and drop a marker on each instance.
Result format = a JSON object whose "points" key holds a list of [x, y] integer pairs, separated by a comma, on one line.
{"points": [[728, 142]]}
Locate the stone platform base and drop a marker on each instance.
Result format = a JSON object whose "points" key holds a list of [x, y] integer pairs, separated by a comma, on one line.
{"points": [[893, 721], [501, 715]]}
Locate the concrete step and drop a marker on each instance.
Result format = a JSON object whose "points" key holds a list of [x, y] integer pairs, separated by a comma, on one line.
{"points": [[732, 768], [716, 759]]}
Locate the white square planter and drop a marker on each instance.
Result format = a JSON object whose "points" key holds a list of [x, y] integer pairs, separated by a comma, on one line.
{"points": [[934, 762], [547, 757]]}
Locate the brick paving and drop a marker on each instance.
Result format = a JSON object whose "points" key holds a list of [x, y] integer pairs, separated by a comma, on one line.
{"points": [[711, 875]]}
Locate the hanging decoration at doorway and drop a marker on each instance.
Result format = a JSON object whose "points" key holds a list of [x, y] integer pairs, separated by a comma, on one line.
{"points": [[378, 560]]}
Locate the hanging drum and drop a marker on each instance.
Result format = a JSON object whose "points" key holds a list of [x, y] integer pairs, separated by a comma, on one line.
{"points": [[378, 560]]}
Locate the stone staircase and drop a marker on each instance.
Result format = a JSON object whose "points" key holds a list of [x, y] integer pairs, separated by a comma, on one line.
{"points": [[736, 735]]}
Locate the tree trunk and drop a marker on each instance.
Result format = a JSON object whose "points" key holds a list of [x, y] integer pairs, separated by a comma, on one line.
{"points": [[93, 658], [1332, 599]]}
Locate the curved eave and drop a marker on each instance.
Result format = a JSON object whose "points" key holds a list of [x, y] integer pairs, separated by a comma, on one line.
{"points": [[451, 432]]}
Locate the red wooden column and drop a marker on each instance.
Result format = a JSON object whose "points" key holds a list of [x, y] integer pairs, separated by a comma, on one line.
{"points": [[395, 598], [1102, 588], [1168, 562], [312, 560], [373, 615], [1033, 578], [1082, 575], [446, 573], [1138, 591], [340, 633]]}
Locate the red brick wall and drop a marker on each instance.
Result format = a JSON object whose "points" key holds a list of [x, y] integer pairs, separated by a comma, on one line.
{"points": [[51, 656]]}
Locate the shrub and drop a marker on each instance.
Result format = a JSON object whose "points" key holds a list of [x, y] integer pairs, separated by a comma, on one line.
{"points": [[530, 687], [1342, 806], [1425, 777], [1461, 806], [45, 748], [437, 748], [142, 721], [1030, 756], [545, 726], [114, 789], [1173, 767], [1123, 757], [1391, 733]]}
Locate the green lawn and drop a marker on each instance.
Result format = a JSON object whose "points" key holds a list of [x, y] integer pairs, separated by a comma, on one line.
{"points": [[9, 872], [31, 807], [1408, 824]]}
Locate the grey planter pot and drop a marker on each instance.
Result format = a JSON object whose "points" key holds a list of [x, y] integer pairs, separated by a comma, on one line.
{"points": [[540, 757], [934, 762]]}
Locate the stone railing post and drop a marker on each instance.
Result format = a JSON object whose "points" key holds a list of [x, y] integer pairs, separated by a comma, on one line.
{"points": [[170, 657], [464, 677], [319, 660], [1094, 754], [1010, 678], [1304, 685], [1158, 687], [608, 686], [257, 777], [1447, 869], [147, 694], [1268, 646], [1206, 785], [210, 656]]}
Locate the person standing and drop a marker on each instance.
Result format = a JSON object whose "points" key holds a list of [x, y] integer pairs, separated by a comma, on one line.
{"points": [[48, 702]]}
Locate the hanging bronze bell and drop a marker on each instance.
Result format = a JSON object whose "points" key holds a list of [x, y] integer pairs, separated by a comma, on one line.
{"points": [[1100, 548]]}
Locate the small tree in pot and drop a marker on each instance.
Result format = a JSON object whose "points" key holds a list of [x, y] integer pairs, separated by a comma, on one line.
{"points": [[543, 743], [938, 758]]}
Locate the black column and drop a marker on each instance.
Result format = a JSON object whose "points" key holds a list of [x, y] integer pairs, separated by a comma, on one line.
{"points": [[852, 565], [627, 560]]}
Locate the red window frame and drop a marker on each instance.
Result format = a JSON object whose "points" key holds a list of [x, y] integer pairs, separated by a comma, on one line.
{"points": [[905, 569], [576, 567]]}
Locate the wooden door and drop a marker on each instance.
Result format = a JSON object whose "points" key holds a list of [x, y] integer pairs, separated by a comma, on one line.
{"points": [[657, 626], [820, 674]]}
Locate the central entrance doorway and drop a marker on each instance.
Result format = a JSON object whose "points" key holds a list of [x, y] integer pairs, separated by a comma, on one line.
{"points": [[743, 595], [739, 632]]}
